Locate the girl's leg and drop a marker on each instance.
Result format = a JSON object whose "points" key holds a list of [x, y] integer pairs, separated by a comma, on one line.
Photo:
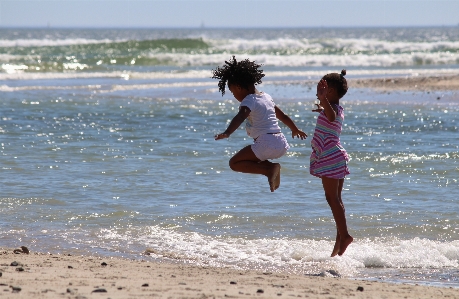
{"points": [[245, 161], [332, 188], [337, 239]]}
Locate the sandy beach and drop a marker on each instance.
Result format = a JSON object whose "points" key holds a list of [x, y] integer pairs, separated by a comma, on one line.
{"points": [[421, 83], [44, 275]]}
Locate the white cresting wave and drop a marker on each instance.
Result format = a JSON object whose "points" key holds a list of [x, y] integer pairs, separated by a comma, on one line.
{"points": [[317, 44], [347, 45], [301, 256], [315, 60]]}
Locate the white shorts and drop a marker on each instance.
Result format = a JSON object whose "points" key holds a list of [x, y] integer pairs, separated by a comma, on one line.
{"points": [[270, 146]]}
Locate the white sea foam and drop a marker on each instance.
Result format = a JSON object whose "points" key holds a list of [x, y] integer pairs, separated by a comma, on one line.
{"points": [[303, 256], [14, 68], [9, 57], [319, 60], [331, 44]]}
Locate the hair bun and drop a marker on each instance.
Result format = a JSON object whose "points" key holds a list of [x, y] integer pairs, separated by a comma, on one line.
{"points": [[343, 73]]}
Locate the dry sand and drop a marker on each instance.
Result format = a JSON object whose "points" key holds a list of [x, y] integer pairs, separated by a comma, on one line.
{"points": [[40, 275]]}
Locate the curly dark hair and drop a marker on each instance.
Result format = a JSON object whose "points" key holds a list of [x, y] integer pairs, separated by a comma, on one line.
{"points": [[244, 73], [338, 82]]}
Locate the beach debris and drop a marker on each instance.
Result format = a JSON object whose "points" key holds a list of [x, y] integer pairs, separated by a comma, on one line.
{"points": [[20, 269], [145, 285], [149, 251], [15, 289], [327, 273], [360, 289], [233, 282], [99, 291], [23, 249], [71, 291], [14, 264], [103, 264], [70, 267], [260, 291]]}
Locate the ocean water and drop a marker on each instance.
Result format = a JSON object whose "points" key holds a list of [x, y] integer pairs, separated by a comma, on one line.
{"points": [[107, 148]]}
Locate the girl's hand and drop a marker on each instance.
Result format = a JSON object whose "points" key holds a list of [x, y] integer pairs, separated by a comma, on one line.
{"points": [[318, 109], [300, 134], [322, 90], [221, 136]]}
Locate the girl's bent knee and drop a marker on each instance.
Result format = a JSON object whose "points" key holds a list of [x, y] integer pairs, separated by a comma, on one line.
{"points": [[231, 164]]}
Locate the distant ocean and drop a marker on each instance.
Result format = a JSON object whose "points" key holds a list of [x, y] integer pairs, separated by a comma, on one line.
{"points": [[107, 148]]}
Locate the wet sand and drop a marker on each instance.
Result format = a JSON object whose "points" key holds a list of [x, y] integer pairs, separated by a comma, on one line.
{"points": [[425, 84]]}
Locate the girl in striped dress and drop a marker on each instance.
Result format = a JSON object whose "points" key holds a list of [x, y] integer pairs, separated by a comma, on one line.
{"points": [[329, 159]]}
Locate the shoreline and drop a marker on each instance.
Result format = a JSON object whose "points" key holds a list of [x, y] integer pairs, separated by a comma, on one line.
{"points": [[420, 83], [43, 275], [445, 83]]}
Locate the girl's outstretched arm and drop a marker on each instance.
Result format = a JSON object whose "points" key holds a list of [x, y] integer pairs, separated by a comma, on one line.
{"points": [[243, 113], [289, 123]]}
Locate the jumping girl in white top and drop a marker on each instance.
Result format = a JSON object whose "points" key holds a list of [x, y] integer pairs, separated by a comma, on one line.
{"points": [[262, 125]]}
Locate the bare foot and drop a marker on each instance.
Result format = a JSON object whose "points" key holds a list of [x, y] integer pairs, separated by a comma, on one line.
{"points": [[336, 247], [272, 176], [277, 181], [344, 243]]}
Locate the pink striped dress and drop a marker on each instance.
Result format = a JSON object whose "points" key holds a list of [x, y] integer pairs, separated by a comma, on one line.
{"points": [[328, 158]]}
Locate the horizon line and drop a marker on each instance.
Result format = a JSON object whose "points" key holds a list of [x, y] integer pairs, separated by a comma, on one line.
{"points": [[229, 27]]}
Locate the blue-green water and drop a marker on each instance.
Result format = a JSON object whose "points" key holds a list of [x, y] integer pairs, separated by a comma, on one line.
{"points": [[107, 148]]}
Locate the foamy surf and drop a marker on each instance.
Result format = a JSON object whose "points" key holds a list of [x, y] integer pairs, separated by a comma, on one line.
{"points": [[299, 75], [300, 256]]}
